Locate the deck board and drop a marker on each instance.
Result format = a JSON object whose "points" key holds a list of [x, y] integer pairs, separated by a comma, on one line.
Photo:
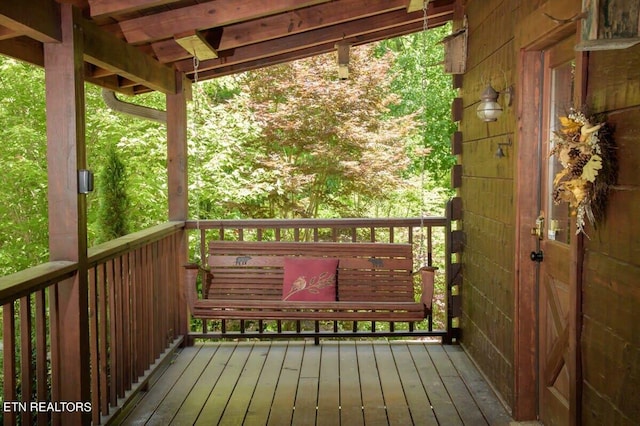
{"points": [[260, 406], [350, 395], [417, 398], [174, 399], [198, 394], [145, 409], [329, 386], [284, 397], [337, 382], [395, 400], [222, 390], [306, 400]]}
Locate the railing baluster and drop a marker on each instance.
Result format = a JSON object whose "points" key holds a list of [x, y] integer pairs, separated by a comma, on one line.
{"points": [[26, 351], [102, 339], [9, 365], [133, 317], [42, 369], [94, 344]]}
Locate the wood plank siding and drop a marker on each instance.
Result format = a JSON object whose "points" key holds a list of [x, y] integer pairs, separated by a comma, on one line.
{"points": [[611, 277], [338, 382], [499, 291]]}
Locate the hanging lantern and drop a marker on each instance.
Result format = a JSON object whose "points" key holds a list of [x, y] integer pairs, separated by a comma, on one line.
{"points": [[489, 109]]}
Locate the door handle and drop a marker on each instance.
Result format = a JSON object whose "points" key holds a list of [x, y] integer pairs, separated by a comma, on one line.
{"points": [[538, 230], [537, 256]]}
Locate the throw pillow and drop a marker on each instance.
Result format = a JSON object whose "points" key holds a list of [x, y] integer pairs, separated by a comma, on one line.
{"points": [[309, 279]]}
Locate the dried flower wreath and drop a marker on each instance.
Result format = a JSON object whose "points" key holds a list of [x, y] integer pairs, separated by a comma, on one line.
{"points": [[585, 148]]}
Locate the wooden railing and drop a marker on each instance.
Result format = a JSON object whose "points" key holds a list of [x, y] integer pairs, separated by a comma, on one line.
{"points": [[427, 235], [136, 316], [136, 311]]}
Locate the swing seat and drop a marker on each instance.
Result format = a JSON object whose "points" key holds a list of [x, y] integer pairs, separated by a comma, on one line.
{"points": [[244, 281]]}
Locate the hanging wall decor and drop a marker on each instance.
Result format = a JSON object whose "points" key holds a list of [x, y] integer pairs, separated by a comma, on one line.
{"points": [[455, 51], [586, 149], [609, 24]]}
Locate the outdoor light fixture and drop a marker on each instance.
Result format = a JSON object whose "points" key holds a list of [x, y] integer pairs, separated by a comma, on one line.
{"points": [[499, 152], [85, 181], [489, 109]]}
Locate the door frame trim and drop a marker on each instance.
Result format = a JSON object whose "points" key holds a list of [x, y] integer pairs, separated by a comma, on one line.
{"points": [[529, 113]]}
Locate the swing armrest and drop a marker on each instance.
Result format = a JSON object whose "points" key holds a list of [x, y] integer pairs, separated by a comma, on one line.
{"points": [[191, 281], [427, 278]]}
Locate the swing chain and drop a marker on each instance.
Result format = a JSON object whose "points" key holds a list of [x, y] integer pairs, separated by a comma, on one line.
{"points": [[425, 26], [196, 112]]}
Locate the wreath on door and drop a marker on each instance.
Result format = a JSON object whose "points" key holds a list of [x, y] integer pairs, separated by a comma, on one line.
{"points": [[586, 149]]}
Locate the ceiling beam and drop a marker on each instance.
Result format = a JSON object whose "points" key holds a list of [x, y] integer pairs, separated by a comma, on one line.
{"points": [[308, 39], [24, 49], [110, 53], [285, 24], [310, 18], [319, 49], [204, 16], [102, 8], [38, 19], [7, 33]]}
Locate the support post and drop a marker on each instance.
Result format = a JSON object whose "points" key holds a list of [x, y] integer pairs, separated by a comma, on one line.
{"points": [[177, 166], [66, 154]]}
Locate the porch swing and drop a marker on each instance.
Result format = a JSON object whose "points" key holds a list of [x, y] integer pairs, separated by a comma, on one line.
{"points": [[308, 281]]}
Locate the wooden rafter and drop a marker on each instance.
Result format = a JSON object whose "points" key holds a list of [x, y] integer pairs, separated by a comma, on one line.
{"points": [[38, 19], [285, 24], [7, 33], [203, 16], [227, 69], [100, 8], [131, 46], [106, 51], [395, 22]]}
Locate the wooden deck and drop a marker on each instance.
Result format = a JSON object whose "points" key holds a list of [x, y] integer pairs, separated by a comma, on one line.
{"points": [[349, 383]]}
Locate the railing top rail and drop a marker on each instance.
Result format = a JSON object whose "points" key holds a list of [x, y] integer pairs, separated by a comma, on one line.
{"points": [[38, 277], [316, 223], [27, 281], [127, 243]]}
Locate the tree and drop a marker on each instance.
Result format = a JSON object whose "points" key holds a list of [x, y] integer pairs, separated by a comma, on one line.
{"points": [[113, 211], [326, 147], [23, 198], [424, 90]]}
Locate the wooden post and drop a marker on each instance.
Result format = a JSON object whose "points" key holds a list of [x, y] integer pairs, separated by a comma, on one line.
{"points": [[67, 217], [177, 149], [525, 405], [177, 162]]}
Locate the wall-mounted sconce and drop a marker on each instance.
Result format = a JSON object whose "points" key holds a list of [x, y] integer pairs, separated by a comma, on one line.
{"points": [[489, 109], [499, 152], [85, 181], [508, 95]]}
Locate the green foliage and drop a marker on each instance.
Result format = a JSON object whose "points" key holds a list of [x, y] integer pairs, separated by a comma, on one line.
{"points": [[425, 90], [299, 142], [113, 211], [23, 199], [286, 141]]}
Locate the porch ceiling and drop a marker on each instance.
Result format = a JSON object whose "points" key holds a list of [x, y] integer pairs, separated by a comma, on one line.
{"points": [[134, 46]]}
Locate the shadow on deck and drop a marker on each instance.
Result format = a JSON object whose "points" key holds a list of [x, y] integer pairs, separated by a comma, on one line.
{"points": [[337, 382]]}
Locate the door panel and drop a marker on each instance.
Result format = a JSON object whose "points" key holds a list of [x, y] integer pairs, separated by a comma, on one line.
{"points": [[556, 239]]}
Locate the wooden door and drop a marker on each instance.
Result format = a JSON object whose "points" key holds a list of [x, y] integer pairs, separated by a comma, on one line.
{"points": [[555, 240]]}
